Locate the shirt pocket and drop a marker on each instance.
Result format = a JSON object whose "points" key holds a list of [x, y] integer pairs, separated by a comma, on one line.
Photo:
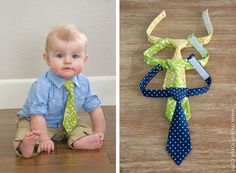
{"points": [[55, 106]]}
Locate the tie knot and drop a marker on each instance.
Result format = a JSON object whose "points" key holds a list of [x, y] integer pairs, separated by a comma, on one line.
{"points": [[69, 85], [179, 43], [177, 93]]}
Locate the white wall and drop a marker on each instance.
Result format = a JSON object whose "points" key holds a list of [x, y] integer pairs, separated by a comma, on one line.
{"points": [[24, 25]]}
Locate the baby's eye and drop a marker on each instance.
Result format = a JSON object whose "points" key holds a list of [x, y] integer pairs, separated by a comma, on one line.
{"points": [[75, 56], [59, 55]]}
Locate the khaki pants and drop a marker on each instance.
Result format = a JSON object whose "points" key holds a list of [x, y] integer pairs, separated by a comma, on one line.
{"points": [[23, 127]]}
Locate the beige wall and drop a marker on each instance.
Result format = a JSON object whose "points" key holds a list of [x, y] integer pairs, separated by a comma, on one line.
{"points": [[24, 25]]}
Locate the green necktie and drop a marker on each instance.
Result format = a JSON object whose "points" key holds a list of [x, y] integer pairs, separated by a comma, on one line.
{"points": [[70, 116]]}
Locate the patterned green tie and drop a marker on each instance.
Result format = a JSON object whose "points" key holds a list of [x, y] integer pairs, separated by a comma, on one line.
{"points": [[70, 116]]}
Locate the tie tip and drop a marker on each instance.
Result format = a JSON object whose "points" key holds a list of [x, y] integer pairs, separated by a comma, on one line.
{"points": [[177, 158], [178, 162]]}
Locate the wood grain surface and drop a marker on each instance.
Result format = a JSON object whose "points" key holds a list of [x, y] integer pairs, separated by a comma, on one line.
{"points": [[144, 128], [63, 159]]}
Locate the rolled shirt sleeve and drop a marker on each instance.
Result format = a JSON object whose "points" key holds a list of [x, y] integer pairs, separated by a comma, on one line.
{"points": [[91, 99], [36, 102]]}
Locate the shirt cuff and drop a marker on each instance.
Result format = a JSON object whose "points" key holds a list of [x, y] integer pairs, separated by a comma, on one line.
{"points": [[91, 104]]}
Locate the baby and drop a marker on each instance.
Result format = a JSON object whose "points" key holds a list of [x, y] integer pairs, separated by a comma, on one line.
{"points": [[50, 110]]}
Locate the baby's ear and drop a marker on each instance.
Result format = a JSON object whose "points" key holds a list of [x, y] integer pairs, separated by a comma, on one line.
{"points": [[46, 58], [85, 57]]}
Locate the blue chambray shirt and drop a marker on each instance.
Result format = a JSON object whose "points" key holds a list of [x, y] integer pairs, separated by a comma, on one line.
{"points": [[48, 96]]}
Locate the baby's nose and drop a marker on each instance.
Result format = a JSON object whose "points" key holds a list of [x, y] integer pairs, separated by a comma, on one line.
{"points": [[67, 59]]}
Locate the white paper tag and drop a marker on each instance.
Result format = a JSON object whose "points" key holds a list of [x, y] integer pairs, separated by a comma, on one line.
{"points": [[196, 64]]}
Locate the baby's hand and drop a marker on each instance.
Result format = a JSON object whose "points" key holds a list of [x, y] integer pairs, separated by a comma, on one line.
{"points": [[47, 145]]}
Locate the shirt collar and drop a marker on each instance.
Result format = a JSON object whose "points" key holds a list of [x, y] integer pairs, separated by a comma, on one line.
{"points": [[59, 81]]}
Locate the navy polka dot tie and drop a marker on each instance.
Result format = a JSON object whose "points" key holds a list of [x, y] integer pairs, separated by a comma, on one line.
{"points": [[179, 141]]}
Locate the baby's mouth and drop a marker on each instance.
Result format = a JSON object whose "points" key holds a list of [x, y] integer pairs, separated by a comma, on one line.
{"points": [[67, 68]]}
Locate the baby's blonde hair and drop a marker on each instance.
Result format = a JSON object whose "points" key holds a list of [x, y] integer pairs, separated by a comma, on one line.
{"points": [[66, 32]]}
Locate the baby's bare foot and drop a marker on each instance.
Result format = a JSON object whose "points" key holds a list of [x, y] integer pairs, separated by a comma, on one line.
{"points": [[94, 141], [32, 137], [28, 143], [101, 137]]}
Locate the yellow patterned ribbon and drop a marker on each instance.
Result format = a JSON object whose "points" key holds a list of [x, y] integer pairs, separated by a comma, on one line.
{"points": [[203, 40]]}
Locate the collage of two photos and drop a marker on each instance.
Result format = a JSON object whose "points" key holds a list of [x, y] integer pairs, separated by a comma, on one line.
{"points": [[114, 86]]}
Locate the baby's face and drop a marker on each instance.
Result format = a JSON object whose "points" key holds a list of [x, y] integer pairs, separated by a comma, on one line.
{"points": [[66, 59]]}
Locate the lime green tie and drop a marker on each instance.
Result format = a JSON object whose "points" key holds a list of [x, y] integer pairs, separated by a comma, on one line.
{"points": [[70, 116]]}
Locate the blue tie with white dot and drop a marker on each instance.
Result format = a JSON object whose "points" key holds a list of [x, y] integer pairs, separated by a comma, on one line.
{"points": [[179, 141]]}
